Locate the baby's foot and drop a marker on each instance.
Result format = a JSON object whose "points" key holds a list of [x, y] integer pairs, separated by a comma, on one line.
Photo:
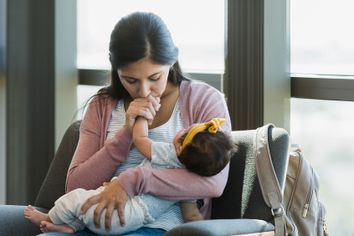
{"points": [[34, 215], [46, 226]]}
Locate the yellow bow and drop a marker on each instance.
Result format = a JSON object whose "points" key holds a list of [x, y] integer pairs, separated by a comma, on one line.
{"points": [[212, 126]]}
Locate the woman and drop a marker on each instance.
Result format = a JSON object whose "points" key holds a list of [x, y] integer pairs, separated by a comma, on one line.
{"points": [[146, 81]]}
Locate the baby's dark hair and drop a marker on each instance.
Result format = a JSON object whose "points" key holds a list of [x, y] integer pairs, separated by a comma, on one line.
{"points": [[208, 153]]}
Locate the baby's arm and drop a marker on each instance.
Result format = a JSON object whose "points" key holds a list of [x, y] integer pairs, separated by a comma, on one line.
{"points": [[190, 211], [140, 137]]}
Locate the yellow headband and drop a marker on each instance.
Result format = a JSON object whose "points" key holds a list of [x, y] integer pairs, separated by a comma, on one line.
{"points": [[212, 126]]}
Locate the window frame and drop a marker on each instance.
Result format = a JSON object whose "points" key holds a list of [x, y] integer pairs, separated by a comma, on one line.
{"points": [[302, 86], [3, 64], [323, 87]]}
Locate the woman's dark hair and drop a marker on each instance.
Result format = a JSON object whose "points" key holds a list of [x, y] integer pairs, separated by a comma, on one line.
{"points": [[137, 36], [208, 153]]}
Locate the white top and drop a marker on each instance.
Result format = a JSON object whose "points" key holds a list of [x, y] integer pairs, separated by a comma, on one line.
{"points": [[163, 133]]}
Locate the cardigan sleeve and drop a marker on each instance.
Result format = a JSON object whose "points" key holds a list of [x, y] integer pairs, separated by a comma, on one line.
{"points": [[204, 103], [94, 160]]}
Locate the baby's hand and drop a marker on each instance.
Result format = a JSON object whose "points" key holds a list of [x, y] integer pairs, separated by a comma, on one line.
{"points": [[144, 107]]}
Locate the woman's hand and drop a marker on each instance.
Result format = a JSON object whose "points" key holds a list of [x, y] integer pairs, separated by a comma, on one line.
{"points": [[145, 107], [113, 197]]}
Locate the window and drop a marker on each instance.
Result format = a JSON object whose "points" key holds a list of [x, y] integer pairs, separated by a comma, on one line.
{"points": [[321, 44], [321, 37], [197, 28], [325, 132]]}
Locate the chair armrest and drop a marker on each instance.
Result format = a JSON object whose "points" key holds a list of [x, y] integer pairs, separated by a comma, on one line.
{"points": [[221, 227]]}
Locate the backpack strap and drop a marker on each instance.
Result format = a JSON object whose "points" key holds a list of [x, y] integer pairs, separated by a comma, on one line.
{"points": [[268, 180]]}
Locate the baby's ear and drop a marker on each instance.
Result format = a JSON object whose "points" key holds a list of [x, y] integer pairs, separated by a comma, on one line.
{"points": [[178, 149]]}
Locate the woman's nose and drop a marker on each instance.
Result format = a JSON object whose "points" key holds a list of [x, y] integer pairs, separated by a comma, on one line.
{"points": [[144, 90]]}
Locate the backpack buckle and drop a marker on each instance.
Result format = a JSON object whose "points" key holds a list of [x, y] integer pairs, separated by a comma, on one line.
{"points": [[277, 212]]}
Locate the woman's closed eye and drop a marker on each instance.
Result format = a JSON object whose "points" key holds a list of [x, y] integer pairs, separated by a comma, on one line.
{"points": [[155, 78], [131, 80]]}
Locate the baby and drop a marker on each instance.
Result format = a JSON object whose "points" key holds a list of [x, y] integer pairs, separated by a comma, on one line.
{"points": [[202, 149]]}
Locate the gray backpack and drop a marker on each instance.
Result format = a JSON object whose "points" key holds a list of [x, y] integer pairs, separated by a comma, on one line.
{"points": [[297, 211]]}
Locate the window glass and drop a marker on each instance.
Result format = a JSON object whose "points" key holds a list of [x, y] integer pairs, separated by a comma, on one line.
{"points": [[325, 132], [322, 37], [84, 92], [197, 28]]}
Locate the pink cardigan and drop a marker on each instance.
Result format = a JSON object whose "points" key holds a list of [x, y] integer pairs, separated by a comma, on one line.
{"points": [[96, 159]]}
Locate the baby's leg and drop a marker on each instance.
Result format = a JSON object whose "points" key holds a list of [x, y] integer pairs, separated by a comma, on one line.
{"points": [[44, 222], [35, 216], [134, 219], [67, 208], [137, 214], [46, 227], [67, 211]]}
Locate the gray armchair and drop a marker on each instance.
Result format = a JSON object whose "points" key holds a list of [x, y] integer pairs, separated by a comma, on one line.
{"points": [[240, 210]]}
